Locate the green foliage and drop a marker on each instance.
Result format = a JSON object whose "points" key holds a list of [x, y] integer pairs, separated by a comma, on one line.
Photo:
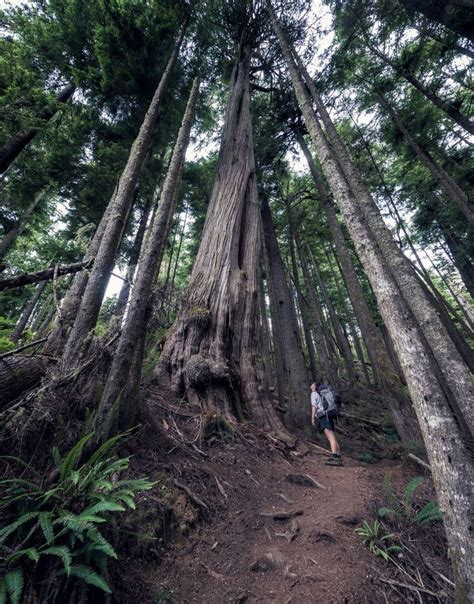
{"points": [[367, 457], [57, 526], [377, 541], [405, 508]]}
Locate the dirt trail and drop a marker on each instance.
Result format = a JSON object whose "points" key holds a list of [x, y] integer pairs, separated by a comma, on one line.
{"points": [[241, 556]]}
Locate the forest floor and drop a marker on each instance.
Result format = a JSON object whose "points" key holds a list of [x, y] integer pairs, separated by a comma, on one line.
{"points": [[222, 544]]}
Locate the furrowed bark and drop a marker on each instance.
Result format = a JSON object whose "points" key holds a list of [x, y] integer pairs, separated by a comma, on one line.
{"points": [[121, 204], [10, 151], [213, 352], [285, 328], [450, 458], [134, 329]]}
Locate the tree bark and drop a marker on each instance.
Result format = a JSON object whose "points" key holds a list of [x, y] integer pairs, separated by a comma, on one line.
{"points": [[448, 454], [285, 327], [453, 15], [10, 151], [212, 354], [121, 202], [450, 187], [18, 373], [446, 106], [134, 329], [44, 275], [133, 261], [299, 293], [27, 312]]}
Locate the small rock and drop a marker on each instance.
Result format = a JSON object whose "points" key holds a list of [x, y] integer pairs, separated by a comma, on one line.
{"points": [[300, 479], [349, 520], [269, 561], [320, 536]]}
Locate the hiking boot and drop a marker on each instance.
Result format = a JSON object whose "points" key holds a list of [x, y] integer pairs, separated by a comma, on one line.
{"points": [[334, 461]]}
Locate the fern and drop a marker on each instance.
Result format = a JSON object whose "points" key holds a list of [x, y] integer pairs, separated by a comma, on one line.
{"points": [[46, 526], [61, 552], [409, 491], [87, 574], [14, 582]]}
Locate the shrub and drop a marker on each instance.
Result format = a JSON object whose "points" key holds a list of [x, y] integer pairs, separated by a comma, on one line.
{"points": [[405, 508]]}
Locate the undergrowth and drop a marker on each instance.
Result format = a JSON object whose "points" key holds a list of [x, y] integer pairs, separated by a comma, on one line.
{"points": [[53, 543]]}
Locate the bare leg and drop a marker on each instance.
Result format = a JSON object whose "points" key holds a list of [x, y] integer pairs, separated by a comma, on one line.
{"points": [[335, 449]]}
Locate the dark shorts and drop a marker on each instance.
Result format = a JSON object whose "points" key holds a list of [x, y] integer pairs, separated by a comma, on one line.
{"points": [[325, 422]]}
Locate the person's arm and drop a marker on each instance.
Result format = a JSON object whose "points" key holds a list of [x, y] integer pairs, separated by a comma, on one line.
{"points": [[314, 404], [313, 414]]}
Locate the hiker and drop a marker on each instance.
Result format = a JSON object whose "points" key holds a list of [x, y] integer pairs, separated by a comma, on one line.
{"points": [[324, 407]]}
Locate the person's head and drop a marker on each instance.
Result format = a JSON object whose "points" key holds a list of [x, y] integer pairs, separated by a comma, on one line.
{"points": [[313, 386]]}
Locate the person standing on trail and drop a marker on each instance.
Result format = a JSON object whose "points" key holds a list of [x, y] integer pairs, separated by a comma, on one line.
{"points": [[324, 408]]}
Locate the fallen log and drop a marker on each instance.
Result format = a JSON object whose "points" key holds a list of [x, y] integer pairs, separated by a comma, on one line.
{"points": [[282, 515], [19, 373], [45, 275], [21, 348], [419, 461]]}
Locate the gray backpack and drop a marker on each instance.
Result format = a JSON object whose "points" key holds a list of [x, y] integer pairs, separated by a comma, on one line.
{"points": [[330, 407]]}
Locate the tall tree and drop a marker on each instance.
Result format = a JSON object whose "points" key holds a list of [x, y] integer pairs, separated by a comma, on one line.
{"points": [[452, 463]]}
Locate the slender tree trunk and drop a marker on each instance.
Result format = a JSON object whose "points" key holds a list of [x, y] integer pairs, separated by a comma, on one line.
{"points": [[463, 263], [450, 459], [299, 294], [451, 13], [296, 383], [451, 188], [134, 329], [349, 318], [457, 378], [9, 238], [121, 202], [446, 106], [133, 261], [328, 367], [27, 312], [10, 151], [341, 339], [213, 351]]}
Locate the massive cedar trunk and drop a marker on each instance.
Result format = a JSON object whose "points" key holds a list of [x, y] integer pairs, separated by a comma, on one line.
{"points": [[120, 208], [384, 372], [27, 312], [449, 108], [450, 364], [134, 329], [449, 455], [18, 142], [285, 327], [451, 188], [212, 354], [456, 15]]}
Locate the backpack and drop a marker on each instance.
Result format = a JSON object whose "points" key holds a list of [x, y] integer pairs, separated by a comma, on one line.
{"points": [[330, 401]]}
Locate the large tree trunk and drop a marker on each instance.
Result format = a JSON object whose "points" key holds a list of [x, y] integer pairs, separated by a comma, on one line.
{"points": [[212, 354], [458, 380], [447, 107], [285, 327], [18, 373], [18, 142], [121, 203], [450, 458], [27, 312], [455, 15], [451, 188], [134, 329], [9, 238], [383, 369]]}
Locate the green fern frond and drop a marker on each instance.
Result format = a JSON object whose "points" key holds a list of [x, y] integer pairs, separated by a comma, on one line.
{"points": [[71, 459], [30, 552], [428, 513], [409, 491], [46, 526], [11, 528], [90, 576], [61, 552], [14, 582]]}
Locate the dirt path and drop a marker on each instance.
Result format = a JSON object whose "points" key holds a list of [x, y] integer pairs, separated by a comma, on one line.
{"points": [[242, 556]]}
